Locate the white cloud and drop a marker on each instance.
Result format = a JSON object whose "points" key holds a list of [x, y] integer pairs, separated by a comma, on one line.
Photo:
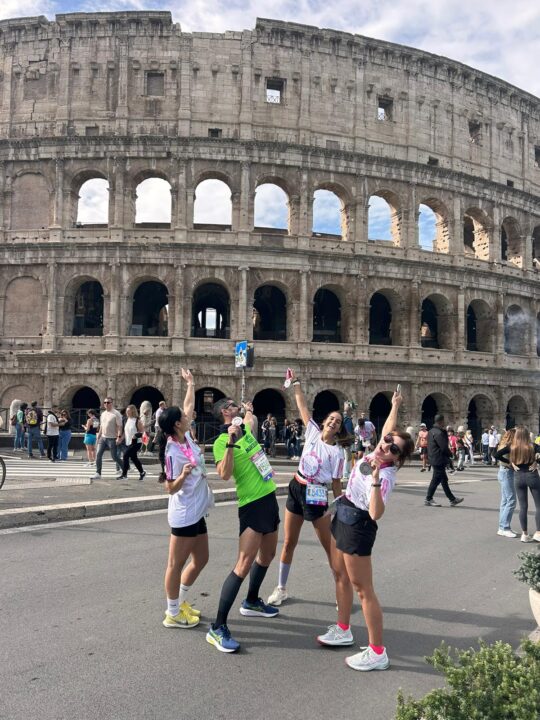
{"points": [[212, 203], [326, 212], [26, 8], [379, 219], [93, 206], [427, 230], [271, 207], [153, 204]]}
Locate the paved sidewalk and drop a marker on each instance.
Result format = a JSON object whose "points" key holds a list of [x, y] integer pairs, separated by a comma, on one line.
{"points": [[37, 491]]}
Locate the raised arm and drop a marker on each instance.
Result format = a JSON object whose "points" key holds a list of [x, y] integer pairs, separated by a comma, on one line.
{"points": [[249, 418], [391, 420], [300, 399], [189, 400]]}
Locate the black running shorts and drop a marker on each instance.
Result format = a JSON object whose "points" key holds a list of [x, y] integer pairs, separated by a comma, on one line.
{"points": [[261, 515]]}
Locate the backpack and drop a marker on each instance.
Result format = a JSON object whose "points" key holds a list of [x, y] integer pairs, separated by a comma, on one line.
{"points": [[31, 417], [13, 420]]}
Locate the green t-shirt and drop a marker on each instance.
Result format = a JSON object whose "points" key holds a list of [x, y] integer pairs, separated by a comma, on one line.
{"points": [[250, 485]]}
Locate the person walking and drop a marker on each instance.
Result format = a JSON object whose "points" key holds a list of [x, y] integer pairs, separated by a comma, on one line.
{"points": [[238, 455], [91, 428], [493, 443], [505, 477], [18, 442], [133, 430], [354, 530], [485, 447], [422, 446], [52, 427], [461, 450], [522, 456], [109, 436], [33, 419], [438, 458], [65, 435], [320, 467], [189, 501], [469, 444]]}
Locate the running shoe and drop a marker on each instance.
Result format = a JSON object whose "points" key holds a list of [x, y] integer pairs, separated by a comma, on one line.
{"points": [[122, 477], [220, 638], [432, 503], [506, 533], [278, 596], [142, 475], [336, 636], [258, 609], [367, 659], [97, 476], [456, 501], [536, 536], [182, 620], [526, 538], [189, 609]]}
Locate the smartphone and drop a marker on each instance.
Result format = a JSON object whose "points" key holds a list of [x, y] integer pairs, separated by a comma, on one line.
{"points": [[398, 389]]}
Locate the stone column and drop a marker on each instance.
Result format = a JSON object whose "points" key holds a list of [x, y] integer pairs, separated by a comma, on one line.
{"points": [[415, 315], [460, 344], [113, 328], [495, 244], [2, 311], [2, 198], [180, 218], [235, 211], [116, 204], [58, 209], [304, 331], [409, 220], [499, 339], [176, 398], [305, 207], [184, 106], [246, 81], [455, 229], [245, 328], [49, 337], [294, 215], [122, 107], [245, 223]]}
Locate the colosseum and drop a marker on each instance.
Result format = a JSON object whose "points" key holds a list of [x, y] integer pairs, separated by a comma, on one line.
{"points": [[427, 274]]}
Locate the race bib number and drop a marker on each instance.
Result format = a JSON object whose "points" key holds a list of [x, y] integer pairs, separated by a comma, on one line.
{"points": [[316, 494], [263, 465]]}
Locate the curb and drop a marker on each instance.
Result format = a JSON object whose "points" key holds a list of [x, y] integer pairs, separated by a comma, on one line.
{"points": [[40, 515]]}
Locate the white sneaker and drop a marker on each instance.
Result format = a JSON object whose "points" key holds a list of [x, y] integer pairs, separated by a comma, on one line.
{"points": [[536, 536], [508, 533], [526, 538], [367, 660], [278, 596], [336, 636], [97, 476]]}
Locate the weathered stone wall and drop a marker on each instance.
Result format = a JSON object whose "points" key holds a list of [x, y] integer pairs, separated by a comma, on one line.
{"points": [[128, 96]]}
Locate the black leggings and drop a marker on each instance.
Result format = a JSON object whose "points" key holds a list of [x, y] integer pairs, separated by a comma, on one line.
{"points": [[131, 454], [524, 481]]}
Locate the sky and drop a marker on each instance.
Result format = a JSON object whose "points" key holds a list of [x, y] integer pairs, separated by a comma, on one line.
{"points": [[500, 37]]}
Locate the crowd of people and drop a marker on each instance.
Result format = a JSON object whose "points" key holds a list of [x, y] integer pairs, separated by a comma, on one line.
{"points": [[31, 426]]}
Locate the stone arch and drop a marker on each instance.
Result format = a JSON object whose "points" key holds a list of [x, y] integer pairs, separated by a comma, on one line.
{"points": [[437, 403], [152, 193], [385, 317], [517, 411], [433, 227], [150, 309], [81, 397], [21, 392], [205, 398], [327, 315], [516, 330], [480, 414], [476, 233], [437, 322], [84, 307], [269, 313], [270, 401], [384, 220], [511, 242], [30, 202], [326, 402], [88, 201], [212, 207], [210, 310], [330, 214], [272, 205], [25, 309], [149, 393], [479, 327]]}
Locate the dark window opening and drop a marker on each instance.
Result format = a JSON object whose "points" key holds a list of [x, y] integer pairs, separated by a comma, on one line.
{"points": [[515, 331], [468, 235], [475, 132], [155, 83], [210, 312], [275, 87], [537, 155], [538, 335], [85, 399], [429, 325], [269, 314], [380, 320], [215, 132], [150, 310], [434, 162], [88, 310], [379, 409], [510, 183], [429, 410], [152, 394], [385, 108], [472, 343], [536, 246], [269, 402], [325, 403], [504, 244], [91, 130], [332, 145], [326, 317]]}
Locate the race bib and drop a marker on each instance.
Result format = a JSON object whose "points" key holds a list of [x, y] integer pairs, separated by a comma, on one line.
{"points": [[316, 494], [263, 465]]}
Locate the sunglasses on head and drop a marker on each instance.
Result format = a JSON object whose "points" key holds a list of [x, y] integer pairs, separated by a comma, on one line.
{"points": [[230, 405], [394, 449]]}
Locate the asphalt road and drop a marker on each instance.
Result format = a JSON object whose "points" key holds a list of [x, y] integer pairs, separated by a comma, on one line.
{"points": [[81, 607]]}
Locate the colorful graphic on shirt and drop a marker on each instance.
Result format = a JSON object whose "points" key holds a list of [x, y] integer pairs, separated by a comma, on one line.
{"points": [[310, 465]]}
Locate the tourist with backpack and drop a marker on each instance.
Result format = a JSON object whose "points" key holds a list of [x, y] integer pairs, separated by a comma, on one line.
{"points": [[33, 418], [17, 422], [52, 432]]}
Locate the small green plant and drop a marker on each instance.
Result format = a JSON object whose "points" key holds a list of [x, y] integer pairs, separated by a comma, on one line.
{"points": [[491, 683], [529, 570]]}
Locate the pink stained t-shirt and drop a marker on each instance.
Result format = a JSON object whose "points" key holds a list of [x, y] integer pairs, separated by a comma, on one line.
{"points": [[359, 485]]}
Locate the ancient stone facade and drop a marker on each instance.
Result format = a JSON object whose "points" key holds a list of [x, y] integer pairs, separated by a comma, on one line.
{"points": [[128, 96]]}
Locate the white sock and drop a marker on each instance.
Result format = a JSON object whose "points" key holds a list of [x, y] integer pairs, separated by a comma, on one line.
{"points": [[284, 569], [183, 592], [172, 606]]}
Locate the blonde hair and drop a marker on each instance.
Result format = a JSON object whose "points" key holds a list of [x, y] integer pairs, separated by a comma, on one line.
{"points": [[506, 439], [133, 410], [522, 449]]}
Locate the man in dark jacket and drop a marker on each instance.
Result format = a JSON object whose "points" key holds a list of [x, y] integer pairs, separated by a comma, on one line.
{"points": [[438, 457]]}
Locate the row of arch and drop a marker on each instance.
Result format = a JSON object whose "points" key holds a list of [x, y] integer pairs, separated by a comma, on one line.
{"points": [[84, 314], [330, 212], [480, 411]]}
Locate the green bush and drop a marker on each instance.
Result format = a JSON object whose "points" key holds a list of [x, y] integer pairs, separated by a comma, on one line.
{"points": [[492, 683], [529, 570]]}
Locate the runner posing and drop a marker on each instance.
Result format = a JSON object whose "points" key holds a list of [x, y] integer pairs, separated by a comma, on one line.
{"points": [[354, 529], [321, 465], [238, 455]]}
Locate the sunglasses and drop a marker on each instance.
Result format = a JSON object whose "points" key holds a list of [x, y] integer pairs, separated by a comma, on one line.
{"points": [[107, 402], [394, 449], [230, 405]]}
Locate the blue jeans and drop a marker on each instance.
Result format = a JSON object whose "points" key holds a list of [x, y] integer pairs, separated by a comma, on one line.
{"points": [[34, 433], [102, 445], [508, 497], [63, 443], [19, 437]]}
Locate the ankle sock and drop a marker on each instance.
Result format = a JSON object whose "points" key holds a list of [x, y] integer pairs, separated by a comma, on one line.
{"points": [[183, 592], [341, 626], [284, 569], [172, 606], [377, 649]]}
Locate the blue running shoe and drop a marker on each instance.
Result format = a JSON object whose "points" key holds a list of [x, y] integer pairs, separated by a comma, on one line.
{"points": [[258, 609], [220, 638]]}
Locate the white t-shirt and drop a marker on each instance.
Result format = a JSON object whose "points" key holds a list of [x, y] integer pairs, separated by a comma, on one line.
{"points": [[52, 430], [130, 429], [359, 486], [190, 503], [494, 439], [319, 461], [366, 432], [111, 423]]}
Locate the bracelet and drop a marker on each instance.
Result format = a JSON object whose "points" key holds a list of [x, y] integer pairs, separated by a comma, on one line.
{"points": [[228, 445], [296, 382], [191, 383], [376, 484]]}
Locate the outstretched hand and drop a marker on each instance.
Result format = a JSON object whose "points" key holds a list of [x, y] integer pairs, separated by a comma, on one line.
{"points": [[187, 375], [397, 399]]}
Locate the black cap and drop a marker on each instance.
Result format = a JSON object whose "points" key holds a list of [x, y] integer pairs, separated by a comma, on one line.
{"points": [[438, 419]]}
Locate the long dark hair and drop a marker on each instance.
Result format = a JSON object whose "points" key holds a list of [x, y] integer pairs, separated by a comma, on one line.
{"points": [[342, 434], [166, 422]]}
